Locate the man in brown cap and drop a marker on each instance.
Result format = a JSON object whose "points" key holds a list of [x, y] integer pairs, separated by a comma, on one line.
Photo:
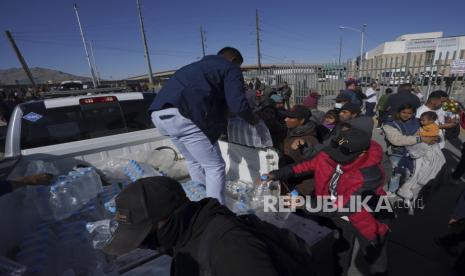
{"points": [[155, 213]]}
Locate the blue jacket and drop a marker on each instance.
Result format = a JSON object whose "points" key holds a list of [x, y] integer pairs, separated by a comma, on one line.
{"points": [[205, 91], [352, 95]]}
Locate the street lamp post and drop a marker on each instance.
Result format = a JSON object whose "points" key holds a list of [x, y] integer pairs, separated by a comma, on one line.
{"points": [[362, 31]]}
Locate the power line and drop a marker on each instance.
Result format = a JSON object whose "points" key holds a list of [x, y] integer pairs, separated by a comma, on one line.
{"points": [[257, 28], [101, 46]]}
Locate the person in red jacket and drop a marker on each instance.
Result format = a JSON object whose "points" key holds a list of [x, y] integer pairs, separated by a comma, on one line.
{"points": [[350, 166]]}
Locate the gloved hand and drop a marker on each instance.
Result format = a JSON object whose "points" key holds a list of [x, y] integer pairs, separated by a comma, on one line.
{"points": [[282, 174]]}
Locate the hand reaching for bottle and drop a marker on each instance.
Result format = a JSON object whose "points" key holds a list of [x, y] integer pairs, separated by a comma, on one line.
{"points": [[297, 143]]}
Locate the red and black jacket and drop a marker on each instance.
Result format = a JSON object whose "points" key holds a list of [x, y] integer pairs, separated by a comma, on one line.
{"points": [[363, 176]]}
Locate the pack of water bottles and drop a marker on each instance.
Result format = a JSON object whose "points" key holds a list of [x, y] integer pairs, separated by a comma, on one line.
{"points": [[195, 191], [263, 189], [135, 170], [68, 194], [124, 170], [248, 198], [243, 133], [109, 194], [55, 247]]}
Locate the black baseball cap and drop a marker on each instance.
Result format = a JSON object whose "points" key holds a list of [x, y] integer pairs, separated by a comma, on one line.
{"points": [[298, 112], [346, 147], [352, 107], [141, 206]]}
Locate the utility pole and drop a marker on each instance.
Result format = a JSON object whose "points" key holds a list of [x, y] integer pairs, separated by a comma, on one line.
{"points": [[21, 60], [340, 49], [257, 27], [361, 47], [146, 50], [93, 61], [362, 31], [85, 47], [202, 38]]}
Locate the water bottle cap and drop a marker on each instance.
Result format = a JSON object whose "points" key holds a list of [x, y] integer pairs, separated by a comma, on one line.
{"points": [[294, 193], [264, 177]]}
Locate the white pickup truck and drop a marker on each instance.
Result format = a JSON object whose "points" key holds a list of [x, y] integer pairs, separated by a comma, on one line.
{"points": [[91, 129]]}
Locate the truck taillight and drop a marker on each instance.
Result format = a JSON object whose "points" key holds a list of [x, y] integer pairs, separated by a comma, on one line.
{"points": [[107, 99]]}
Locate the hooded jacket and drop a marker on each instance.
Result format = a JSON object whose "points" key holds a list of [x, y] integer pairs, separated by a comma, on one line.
{"points": [[306, 132], [363, 176], [237, 252], [272, 119], [398, 99], [364, 123], [311, 101]]}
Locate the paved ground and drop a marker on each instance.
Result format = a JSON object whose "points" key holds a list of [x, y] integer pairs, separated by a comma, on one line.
{"points": [[411, 248]]}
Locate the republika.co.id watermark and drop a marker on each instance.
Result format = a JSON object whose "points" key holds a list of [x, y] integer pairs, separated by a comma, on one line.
{"points": [[329, 204]]}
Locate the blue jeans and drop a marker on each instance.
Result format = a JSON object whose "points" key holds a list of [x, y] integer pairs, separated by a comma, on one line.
{"points": [[370, 109], [204, 160], [395, 179]]}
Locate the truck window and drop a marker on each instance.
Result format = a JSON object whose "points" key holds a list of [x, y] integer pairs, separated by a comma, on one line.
{"points": [[136, 113], [43, 127]]}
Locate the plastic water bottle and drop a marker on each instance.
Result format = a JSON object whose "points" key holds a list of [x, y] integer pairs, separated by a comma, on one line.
{"points": [[263, 133], [195, 191], [110, 205], [42, 202], [109, 192], [294, 193], [101, 232], [260, 190], [142, 170], [231, 187], [90, 182], [242, 205], [64, 198]]}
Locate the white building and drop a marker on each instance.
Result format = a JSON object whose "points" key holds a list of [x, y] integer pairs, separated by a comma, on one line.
{"points": [[433, 45]]}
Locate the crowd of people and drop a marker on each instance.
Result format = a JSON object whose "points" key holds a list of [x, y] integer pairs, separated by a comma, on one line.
{"points": [[322, 154], [328, 153]]}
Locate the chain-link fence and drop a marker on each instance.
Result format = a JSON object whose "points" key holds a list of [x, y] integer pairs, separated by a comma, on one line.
{"points": [[389, 72]]}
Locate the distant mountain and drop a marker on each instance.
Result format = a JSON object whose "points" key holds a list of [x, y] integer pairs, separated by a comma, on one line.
{"points": [[40, 75]]}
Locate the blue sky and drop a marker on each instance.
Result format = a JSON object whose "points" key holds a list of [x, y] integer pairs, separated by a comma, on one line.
{"points": [[303, 31]]}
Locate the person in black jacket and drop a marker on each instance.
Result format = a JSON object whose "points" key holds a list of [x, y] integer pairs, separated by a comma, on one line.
{"points": [[268, 112], [403, 96], [155, 213]]}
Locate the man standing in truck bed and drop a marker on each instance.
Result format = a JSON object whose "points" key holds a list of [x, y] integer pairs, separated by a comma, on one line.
{"points": [[192, 109]]}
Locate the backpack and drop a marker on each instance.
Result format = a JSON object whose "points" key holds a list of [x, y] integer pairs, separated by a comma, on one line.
{"points": [[290, 254]]}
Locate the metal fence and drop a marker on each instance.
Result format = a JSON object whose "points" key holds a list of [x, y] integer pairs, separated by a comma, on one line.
{"points": [[389, 72]]}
